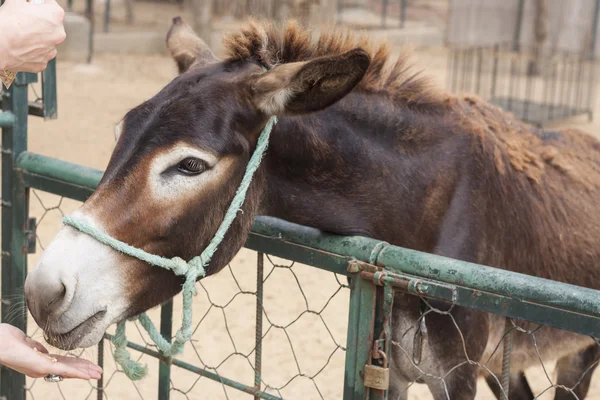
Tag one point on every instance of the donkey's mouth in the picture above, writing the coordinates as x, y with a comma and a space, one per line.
70, 340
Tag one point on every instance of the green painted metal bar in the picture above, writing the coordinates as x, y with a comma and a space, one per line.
361, 319
49, 95
15, 204
7, 119
201, 372
164, 368
60, 170
492, 280
485, 288
55, 186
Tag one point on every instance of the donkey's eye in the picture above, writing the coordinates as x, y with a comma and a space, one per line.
192, 166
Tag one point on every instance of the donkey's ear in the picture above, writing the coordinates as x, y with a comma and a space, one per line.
303, 87
118, 130
187, 48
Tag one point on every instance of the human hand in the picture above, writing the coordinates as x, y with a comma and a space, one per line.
31, 358
30, 34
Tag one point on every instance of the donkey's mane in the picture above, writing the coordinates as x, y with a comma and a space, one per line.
270, 46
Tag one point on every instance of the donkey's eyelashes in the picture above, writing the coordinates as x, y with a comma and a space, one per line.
192, 166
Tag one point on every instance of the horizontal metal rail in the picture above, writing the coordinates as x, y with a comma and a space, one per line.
7, 119
199, 371
498, 291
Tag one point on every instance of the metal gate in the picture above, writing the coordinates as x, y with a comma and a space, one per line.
372, 269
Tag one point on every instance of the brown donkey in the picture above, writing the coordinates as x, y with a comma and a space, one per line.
363, 147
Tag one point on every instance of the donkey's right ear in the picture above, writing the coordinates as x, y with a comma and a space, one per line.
186, 47
303, 87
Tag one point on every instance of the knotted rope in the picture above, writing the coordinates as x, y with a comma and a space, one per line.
192, 270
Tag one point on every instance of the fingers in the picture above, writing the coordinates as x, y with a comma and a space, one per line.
36, 345
73, 367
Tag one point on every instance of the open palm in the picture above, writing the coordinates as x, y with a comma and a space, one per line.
31, 358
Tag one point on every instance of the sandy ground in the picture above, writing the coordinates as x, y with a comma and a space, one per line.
302, 357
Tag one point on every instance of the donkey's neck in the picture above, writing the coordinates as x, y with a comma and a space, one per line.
374, 171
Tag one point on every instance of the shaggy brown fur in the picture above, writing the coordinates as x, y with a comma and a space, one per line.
514, 142
272, 46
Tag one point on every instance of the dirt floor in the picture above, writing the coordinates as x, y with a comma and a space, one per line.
302, 354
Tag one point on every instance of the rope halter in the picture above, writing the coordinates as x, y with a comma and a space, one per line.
191, 270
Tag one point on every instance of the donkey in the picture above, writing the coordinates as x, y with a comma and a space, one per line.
364, 146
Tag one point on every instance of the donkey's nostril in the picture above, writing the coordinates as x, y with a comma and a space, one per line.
48, 295
59, 296
176, 20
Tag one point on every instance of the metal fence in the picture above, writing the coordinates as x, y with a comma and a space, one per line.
512, 80
535, 59
375, 14
359, 277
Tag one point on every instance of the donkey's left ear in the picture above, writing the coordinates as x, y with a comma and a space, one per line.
186, 47
303, 87
118, 130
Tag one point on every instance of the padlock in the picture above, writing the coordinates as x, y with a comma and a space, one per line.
377, 377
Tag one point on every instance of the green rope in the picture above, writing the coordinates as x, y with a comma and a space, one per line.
192, 270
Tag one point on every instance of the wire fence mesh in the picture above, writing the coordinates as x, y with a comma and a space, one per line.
301, 341
302, 310
536, 361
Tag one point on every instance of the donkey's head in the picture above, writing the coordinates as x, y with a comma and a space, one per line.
179, 159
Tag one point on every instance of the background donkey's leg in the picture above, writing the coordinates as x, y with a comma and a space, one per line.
571, 370
454, 341
398, 384
519, 387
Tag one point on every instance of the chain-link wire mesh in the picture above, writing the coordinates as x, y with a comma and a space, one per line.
554, 362
303, 312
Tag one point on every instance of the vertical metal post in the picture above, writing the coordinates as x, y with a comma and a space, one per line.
529, 93
402, 13
384, 8
511, 85
89, 13
595, 30
15, 206
455, 68
590, 102
49, 94
359, 342
495, 71
164, 370
100, 392
479, 68
107, 16
518, 25
260, 262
